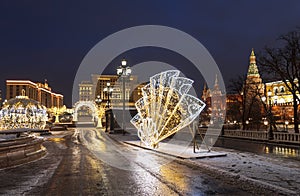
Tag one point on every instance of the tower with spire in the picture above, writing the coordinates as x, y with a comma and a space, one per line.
252, 93
253, 70
215, 102
216, 91
253, 80
205, 92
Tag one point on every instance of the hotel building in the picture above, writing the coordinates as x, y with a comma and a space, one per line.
88, 91
40, 92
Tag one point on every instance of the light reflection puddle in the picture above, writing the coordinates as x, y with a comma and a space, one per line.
60, 142
56, 139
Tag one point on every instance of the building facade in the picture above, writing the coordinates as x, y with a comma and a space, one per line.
111, 96
114, 93
281, 100
86, 91
40, 92
215, 108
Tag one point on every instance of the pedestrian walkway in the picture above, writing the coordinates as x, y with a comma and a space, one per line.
266, 171
175, 148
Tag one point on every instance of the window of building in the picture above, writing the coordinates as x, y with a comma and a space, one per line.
275, 90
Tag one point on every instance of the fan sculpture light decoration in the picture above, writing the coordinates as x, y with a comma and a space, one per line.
165, 107
22, 112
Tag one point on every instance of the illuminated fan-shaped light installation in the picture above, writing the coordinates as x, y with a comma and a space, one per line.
22, 112
165, 107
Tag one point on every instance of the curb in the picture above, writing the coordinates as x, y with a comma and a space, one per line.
20, 151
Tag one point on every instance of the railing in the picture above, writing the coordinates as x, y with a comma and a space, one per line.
287, 137
293, 138
257, 135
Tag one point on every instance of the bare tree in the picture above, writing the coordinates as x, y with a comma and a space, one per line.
236, 86
283, 62
251, 101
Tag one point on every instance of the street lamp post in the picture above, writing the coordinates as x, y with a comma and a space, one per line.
98, 101
286, 125
266, 124
108, 89
247, 124
269, 93
123, 71
269, 114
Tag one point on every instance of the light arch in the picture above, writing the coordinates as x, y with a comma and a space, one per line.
90, 104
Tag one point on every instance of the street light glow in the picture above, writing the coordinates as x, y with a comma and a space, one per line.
124, 62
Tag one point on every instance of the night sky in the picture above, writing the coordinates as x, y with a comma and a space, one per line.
48, 39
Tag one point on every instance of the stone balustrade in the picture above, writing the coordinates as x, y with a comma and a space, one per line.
257, 135
287, 137
279, 137
20, 150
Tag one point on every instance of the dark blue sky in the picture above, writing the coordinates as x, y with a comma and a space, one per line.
48, 39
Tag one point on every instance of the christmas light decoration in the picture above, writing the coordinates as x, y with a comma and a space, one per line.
22, 112
165, 107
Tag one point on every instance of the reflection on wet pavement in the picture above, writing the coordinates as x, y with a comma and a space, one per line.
56, 139
276, 150
283, 151
174, 175
59, 141
81, 168
135, 171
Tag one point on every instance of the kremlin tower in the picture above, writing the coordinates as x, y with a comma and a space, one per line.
253, 91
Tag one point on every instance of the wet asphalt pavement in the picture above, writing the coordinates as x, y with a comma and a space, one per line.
88, 162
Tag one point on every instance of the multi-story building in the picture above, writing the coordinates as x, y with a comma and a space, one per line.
281, 100
215, 101
86, 91
89, 91
279, 93
102, 82
115, 93
40, 92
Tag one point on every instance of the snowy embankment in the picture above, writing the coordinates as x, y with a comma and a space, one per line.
251, 171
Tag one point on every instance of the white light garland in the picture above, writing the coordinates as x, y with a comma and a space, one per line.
165, 107
22, 112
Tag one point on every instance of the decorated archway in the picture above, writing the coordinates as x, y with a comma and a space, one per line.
90, 104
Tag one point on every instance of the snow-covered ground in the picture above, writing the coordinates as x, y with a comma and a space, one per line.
275, 171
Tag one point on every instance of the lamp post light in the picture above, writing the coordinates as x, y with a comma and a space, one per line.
269, 93
123, 71
266, 124
98, 101
247, 124
108, 89
286, 125
269, 113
